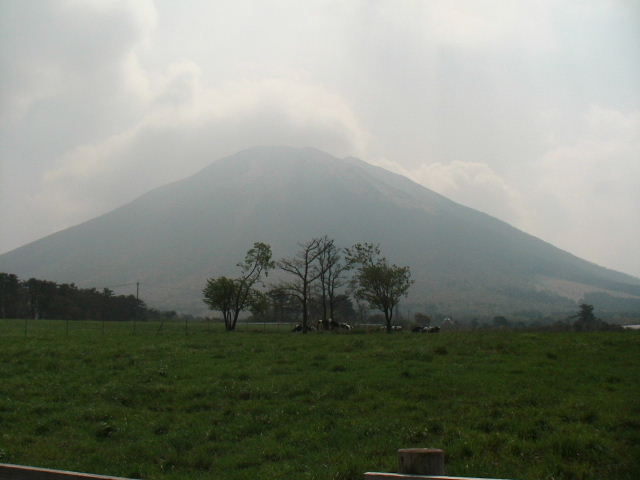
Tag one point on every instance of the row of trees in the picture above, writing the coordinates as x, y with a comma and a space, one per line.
35, 298
316, 274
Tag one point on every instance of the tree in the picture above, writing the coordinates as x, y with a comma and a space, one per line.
343, 308
585, 314
40, 296
259, 304
331, 277
283, 305
586, 320
305, 271
376, 281
233, 295
501, 322
9, 292
219, 294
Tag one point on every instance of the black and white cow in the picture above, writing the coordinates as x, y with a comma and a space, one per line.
299, 328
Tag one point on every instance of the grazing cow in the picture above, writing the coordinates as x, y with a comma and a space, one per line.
299, 328
394, 328
426, 329
333, 324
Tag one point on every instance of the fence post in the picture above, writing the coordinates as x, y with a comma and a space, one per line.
421, 461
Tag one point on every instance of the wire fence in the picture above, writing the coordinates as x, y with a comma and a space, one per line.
55, 328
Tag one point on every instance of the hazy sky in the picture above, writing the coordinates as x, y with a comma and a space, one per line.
529, 111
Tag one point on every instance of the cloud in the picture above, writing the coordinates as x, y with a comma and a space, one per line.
586, 191
473, 24
187, 127
473, 184
101, 100
110, 127
72, 51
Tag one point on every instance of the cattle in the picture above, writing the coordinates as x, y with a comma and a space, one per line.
394, 328
426, 329
299, 328
334, 325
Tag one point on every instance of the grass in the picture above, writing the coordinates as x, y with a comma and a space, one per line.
203, 403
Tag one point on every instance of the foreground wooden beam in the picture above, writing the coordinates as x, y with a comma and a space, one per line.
404, 476
21, 472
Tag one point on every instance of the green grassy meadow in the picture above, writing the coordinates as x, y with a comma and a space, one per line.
196, 402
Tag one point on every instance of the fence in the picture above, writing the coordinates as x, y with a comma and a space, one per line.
414, 464
419, 464
47, 328
21, 472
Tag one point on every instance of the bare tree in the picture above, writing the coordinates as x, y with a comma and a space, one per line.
331, 277
303, 266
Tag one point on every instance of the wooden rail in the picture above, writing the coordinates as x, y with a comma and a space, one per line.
414, 464
404, 476
21, 472
419, 464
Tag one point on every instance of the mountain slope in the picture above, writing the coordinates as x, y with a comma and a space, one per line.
173, 237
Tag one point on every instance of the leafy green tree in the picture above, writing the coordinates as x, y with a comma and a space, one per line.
343, 309
585, 314
220, 294
376, 281
283, 305
586, 320
40, 297
259, 304
501, 322
9, 295
233, 295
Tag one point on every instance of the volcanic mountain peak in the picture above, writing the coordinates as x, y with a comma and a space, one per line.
174, 237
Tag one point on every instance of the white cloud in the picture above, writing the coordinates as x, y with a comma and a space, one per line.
101, 100
189, 126
109, 128
587, 192
474, 24
73, 50
473, 184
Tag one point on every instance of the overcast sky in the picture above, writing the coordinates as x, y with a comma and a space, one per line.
529, 111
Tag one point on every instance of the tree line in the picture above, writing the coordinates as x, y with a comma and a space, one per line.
37, 299
319, 274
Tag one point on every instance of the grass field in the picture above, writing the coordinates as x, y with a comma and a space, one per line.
203, 403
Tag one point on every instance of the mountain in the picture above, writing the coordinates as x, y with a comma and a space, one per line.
172, 238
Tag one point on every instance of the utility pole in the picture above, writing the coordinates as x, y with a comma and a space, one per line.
136, 311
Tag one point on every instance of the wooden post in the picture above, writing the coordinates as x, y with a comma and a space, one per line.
421, 461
